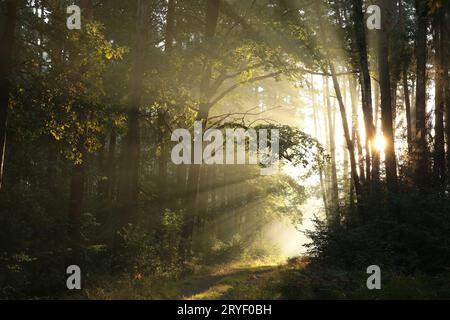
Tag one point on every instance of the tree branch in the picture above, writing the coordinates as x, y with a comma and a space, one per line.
236, 85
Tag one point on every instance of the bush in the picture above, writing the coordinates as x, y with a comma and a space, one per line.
411, 238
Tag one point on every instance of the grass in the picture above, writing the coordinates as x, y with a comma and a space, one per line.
214, 293
272, 279
206, 282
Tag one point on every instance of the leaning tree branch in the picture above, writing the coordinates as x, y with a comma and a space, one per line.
237, 85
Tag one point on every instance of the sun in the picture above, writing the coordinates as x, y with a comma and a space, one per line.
380, 142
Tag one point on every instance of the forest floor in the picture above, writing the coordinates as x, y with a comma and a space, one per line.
231, 281
270, 279
234, 280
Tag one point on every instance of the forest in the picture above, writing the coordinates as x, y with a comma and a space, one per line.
351, 97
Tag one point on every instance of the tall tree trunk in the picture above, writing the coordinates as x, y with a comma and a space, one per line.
356, 138
8, 19
377, 100
445, 80
439, 143
334, 194
345, 171
386, 102
366, 89
129, 172
212, 18
406, 97
394, 87
316, 133
421, 163
163, 157
413, 112
348, 140
326, 141
354, 117
376, 156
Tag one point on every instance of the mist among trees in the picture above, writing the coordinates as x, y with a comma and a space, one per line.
87, 177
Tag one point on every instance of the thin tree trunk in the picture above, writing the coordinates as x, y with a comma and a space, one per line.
386, 103
439, 143
366, 89
375, 152
212, 18
377, 99
316, 133
407, 109
8, 16
445, 80
327, 170
345, 171
346, 131
421, 163
163, 157
356, 138
129, 171
331, 134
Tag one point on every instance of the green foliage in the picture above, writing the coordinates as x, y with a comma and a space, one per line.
410, 237
225, 251
143, 252
136, 253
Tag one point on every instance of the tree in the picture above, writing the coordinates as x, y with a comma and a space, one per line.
129, 175
439, 62
317, 129
386, 102
349, 142
162, 130
212, 18
334, 192
407, 99
366, 89
8, 15
445, 25
421, 158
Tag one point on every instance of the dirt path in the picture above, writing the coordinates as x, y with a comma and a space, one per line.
223, 283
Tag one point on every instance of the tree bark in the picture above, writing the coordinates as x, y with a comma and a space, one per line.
439, 143
316, 132
366, 89
356, 138
386, 102
212, 18
445, 80
129, 177
334, 192
376, 157
421, 163
406, 97
8, 22
348, 140
345, 171
163, 157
